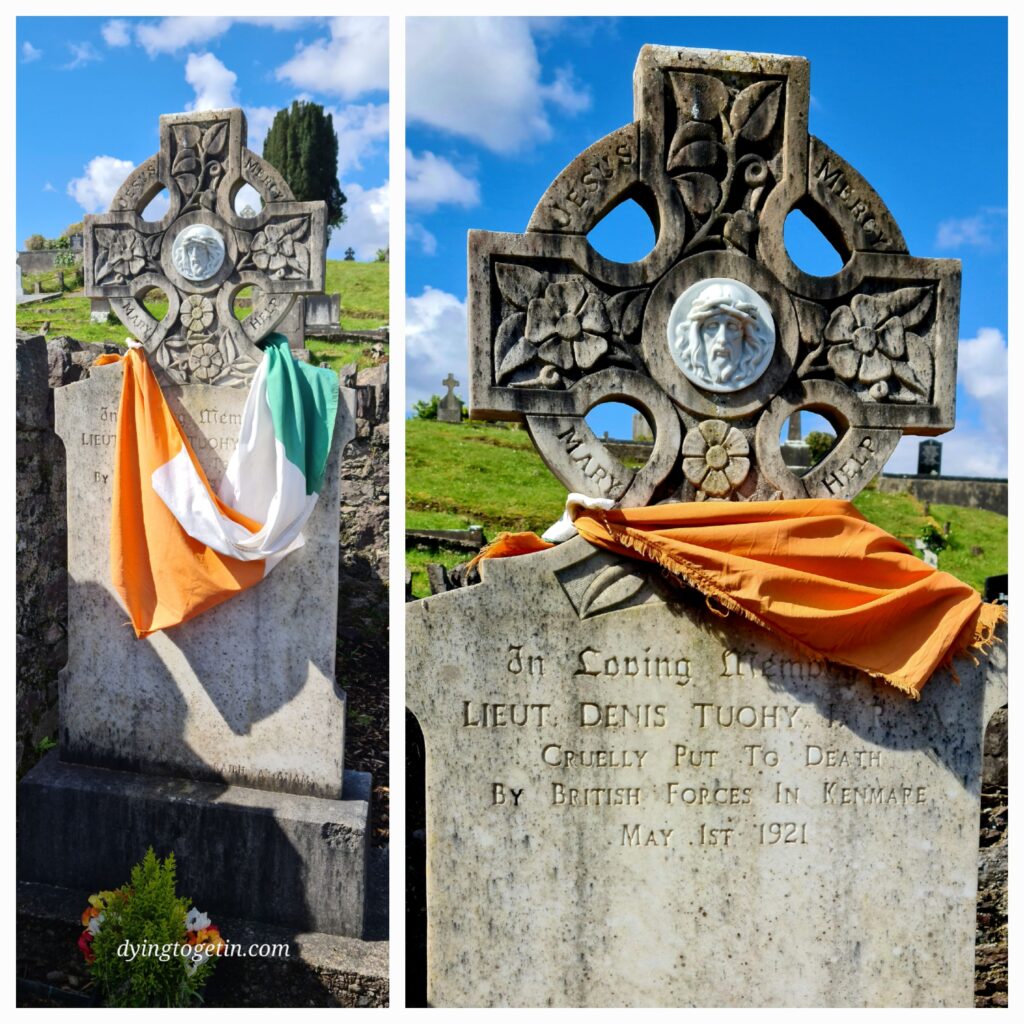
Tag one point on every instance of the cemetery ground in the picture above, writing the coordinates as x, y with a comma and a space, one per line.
491, 475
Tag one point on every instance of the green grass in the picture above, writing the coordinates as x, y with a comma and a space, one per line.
363, 288
460, 474
337, 354
364, 292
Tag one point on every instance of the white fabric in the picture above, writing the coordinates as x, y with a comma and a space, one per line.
563, 530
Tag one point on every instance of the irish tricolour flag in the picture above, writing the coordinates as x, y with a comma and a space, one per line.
176, 547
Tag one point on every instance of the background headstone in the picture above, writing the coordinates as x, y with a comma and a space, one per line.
449, 409
929, 458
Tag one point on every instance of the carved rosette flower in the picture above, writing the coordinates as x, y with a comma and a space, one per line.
568, 325
205, 361
196, 313
715, 459
871, 349
277, 251
123, 254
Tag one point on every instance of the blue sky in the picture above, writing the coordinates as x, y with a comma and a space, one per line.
496, 108
91, 90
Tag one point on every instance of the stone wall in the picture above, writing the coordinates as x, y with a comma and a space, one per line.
42, 601
36, 262
966, 491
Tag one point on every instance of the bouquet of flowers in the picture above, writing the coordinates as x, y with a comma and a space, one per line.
146, 946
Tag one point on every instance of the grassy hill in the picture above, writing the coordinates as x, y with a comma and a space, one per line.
364, 305
489, 474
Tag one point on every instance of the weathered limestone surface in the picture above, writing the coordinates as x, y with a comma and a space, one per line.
718, 155
244, 693
633, 803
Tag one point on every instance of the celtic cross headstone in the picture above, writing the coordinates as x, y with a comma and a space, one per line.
631, 801
231, 724
718, 156
202, 253
449, 409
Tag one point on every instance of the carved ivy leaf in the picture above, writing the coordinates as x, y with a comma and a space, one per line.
186, 135
612, 586
756, 109
103, 270
510, 331
301, 259
207, 201
519, 284
187, 183
153, 246
919, 361
696, 154
688, 132
521, 353
105, 236
294, 227
700, 192
911, 305
811, 319
624, 311
738, 230
214, 139
698, 97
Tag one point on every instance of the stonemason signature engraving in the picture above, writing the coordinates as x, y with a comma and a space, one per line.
721, 334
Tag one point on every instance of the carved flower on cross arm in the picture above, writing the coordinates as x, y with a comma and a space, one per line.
276, 251
196, 313
871, 346
126, 253
205, 361
715, 459
568, 325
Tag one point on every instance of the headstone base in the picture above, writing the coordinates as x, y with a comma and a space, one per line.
293, 861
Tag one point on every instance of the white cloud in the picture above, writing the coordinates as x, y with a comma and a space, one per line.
29, 52
81, 54
48, 187
172, 34
103, 177
360, 128
431, 180
353, 61
984, 230
435, 344
480, 78
248, 196
214, 84
116, 32
421, 236
979, 446
259, 120
367, 222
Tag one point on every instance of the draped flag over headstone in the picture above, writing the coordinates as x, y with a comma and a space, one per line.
176, 547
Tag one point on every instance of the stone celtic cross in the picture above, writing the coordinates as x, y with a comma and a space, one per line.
716, 336
201, 253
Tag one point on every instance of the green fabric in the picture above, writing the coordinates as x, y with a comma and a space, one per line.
303, 403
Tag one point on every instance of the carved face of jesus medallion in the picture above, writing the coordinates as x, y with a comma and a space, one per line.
198, 252
721, 334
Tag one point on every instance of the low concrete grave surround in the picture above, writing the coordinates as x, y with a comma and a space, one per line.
222, 737
631, 801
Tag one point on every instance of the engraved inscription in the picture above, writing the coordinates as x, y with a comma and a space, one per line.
835, 181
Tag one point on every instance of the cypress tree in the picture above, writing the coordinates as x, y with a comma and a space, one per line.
302, 145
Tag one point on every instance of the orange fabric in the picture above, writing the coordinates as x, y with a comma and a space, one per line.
163, 576
814, 571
